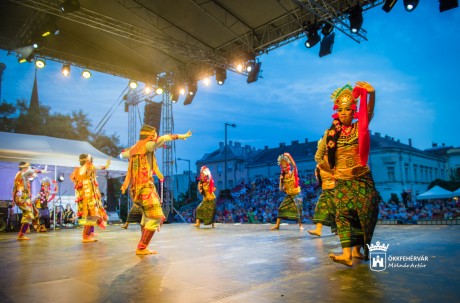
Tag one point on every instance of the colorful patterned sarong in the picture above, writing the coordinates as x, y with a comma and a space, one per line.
206, 211
325, 210
356, 211
290, 208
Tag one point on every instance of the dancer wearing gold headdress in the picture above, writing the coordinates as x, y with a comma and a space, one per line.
142, 166
348, 147
325, 207
22, 196
291, 207
41, 203
206, 211
88, 196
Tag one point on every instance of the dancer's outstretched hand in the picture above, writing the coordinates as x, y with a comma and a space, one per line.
365, 85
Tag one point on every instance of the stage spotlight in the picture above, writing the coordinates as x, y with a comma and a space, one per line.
388, 5
69, 6
182, 91
159, 91
410, 5
206, 81
445, 5
86, 74
66, 70
327, 28
38, 42
133, 84
30, 58
254, 73
40, 63
50, 28
239, 67
356, 18
60, 177
221, 75
175, 94
326, 45
192, 89
312, 38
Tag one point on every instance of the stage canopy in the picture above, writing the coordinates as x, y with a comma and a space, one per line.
185, 39
456, 193
436, 192
60, 155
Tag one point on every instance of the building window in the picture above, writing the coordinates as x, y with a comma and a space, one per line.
406, 172
219, 184
391, 173
230, 183
415, 172
229, 168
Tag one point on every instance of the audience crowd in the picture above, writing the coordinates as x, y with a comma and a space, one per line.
258, 202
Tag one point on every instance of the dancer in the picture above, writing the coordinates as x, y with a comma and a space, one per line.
45, 197
325, 207
134, 216
291, 207
348, 147
206, 211
22, 196
142, 166
88, 196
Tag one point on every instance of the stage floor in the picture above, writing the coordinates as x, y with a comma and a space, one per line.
231, 263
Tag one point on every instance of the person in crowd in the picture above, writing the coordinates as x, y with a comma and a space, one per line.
69, 216
45, 197
206, 211
348, 145
22, 196
325, 207
291, 206
88, 196
56, 216
141, 168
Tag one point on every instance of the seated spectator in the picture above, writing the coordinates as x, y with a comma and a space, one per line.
69, 216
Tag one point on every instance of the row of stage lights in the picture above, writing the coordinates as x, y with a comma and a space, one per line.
65, 70
355, 18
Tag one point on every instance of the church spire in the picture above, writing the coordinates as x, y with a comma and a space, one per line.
34, 106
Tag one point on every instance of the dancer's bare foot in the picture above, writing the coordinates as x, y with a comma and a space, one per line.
125, 226
341, 259
146, 251
357, 254
314, 232
276, 227
89, 240
20, 238
196, 225
301, 227
213, 225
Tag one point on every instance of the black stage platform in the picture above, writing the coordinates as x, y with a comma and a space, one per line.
231, 263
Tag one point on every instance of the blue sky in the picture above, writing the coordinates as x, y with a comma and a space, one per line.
412, 60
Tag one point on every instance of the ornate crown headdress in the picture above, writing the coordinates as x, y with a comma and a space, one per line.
288, 158
344, 96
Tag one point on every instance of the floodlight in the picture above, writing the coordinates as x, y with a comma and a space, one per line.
60, 177
192, 89
445, 5
69, 6
253, 75
133, 84
388, 5
410, 5
312, 38
221, 75
66, 70
86, 74
356, 18
40, 63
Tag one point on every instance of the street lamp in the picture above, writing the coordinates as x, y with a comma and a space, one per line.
189, 179
225, 153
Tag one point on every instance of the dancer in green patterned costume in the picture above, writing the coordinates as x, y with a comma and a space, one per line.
348, 147
291, 207
206, 211
325, 207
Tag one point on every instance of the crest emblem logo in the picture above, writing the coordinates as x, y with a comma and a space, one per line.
378, 256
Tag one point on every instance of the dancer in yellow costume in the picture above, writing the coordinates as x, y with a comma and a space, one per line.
142, 166
206, 211
291, 207
41, 203
22, 196
88, 196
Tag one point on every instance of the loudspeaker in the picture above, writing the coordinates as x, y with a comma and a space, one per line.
4, 213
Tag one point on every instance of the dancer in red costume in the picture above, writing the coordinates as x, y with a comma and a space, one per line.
88, 196
206, 211
142, 166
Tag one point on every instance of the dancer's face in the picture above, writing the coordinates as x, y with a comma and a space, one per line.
345, 114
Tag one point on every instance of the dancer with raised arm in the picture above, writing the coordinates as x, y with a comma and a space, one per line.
88, 196
142, 166
348, 147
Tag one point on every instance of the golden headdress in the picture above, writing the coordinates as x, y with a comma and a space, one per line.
344, 96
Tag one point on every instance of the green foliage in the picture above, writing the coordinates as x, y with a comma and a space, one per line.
18, 119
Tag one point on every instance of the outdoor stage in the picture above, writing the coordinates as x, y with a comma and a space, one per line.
231, 263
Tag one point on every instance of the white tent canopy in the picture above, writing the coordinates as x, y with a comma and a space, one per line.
436, 192
61, 156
